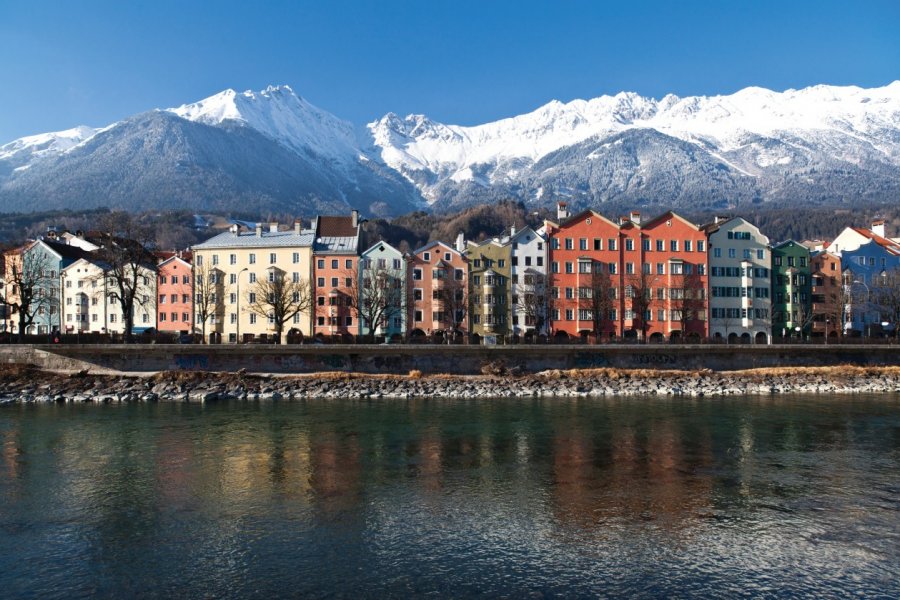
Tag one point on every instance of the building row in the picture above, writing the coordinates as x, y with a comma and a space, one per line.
581, 275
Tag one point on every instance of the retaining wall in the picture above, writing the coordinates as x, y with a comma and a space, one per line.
401, 359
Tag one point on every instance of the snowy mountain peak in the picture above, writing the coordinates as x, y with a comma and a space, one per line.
280, 114
47, 143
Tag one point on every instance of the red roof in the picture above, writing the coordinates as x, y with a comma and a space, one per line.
885, 243
336, 227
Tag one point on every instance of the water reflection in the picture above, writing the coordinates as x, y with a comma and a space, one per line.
642, 497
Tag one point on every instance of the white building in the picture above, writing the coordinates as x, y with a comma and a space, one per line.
740, 282
90, 304
529, 276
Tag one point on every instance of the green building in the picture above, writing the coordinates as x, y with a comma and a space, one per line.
791, 291
490, 267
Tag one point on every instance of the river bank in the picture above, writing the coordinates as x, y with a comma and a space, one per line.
23, 384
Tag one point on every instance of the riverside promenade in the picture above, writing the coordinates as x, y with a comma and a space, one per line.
436, 359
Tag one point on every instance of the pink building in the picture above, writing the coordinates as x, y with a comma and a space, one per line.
175, 298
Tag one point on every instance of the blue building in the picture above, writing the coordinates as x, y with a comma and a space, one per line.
382, 302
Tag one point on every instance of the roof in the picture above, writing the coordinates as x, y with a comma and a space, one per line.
249, 239
335, 235
431, 245
67, 251
885, 243
335, 227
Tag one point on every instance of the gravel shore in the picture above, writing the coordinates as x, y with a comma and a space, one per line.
24, 384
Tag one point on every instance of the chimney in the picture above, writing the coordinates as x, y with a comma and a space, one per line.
878, 227
512, 230
259, 230
273, 227
461, 242
233, 229
298, 226
635, 217
354, 216
562, 212
51, 232
623, 220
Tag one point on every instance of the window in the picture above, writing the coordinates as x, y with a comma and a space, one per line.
701, 246
761, 254
417, 274
569, 245
253, 318
334, 263
251, 297
569, 268
660, 245
215, 259
629, 268
232, 259
334, 282
583, 244
660, 268
629, 245
732, 253
611, 244
295, 257
687, 245
612, 268
348, 264
162, 279
426, 256
252, 258
673, 245
598, 244
252, 277
747, 254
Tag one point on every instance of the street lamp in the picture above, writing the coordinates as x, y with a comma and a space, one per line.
238, 330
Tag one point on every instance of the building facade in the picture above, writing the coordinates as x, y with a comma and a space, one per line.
229, 273
792, 315
336, 275
382, 298
490, 297
826, 295
440, 291
528, 277
175, 294
740, 282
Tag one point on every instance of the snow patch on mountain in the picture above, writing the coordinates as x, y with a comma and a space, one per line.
283, 116
47, 143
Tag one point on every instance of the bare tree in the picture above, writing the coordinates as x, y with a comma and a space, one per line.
453, 296
689, 302
29, 284
379, 295
129, 265
279, 299
596, 296
887, 297
534, 300
208, 292
639, 288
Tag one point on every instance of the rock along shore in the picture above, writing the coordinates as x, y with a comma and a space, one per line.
22, 384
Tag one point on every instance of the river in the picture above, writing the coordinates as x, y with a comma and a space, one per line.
571, 498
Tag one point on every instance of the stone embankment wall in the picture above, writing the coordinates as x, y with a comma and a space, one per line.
460, 360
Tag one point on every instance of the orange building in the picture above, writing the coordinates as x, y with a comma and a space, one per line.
335, 261
676, 265
175, 301
584, 275
627, 279
827, 295
439, 290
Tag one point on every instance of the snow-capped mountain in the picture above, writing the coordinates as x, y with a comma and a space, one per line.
274, 151
627, 140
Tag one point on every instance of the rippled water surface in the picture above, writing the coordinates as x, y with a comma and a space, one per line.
647, 498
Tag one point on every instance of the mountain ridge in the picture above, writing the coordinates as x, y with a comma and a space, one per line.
815, 145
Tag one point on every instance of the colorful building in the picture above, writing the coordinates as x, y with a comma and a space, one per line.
440, 291
382, 299
175, 293
490, 298
826, 295
792, 315
227, 269
335, 275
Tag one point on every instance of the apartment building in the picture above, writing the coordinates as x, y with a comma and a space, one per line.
826, 295
740, 282
792, 315
91, 300
528, 277
383, 298
490, 296
335, 275
175, 293
230, 271
440, 291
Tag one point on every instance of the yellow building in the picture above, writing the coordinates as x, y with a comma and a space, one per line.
489, 288
232, 263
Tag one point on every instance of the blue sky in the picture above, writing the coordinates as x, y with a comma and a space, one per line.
69, 63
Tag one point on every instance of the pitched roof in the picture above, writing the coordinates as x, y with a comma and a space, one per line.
249, 239
335, 227
67, 251
885, 243
335, 235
